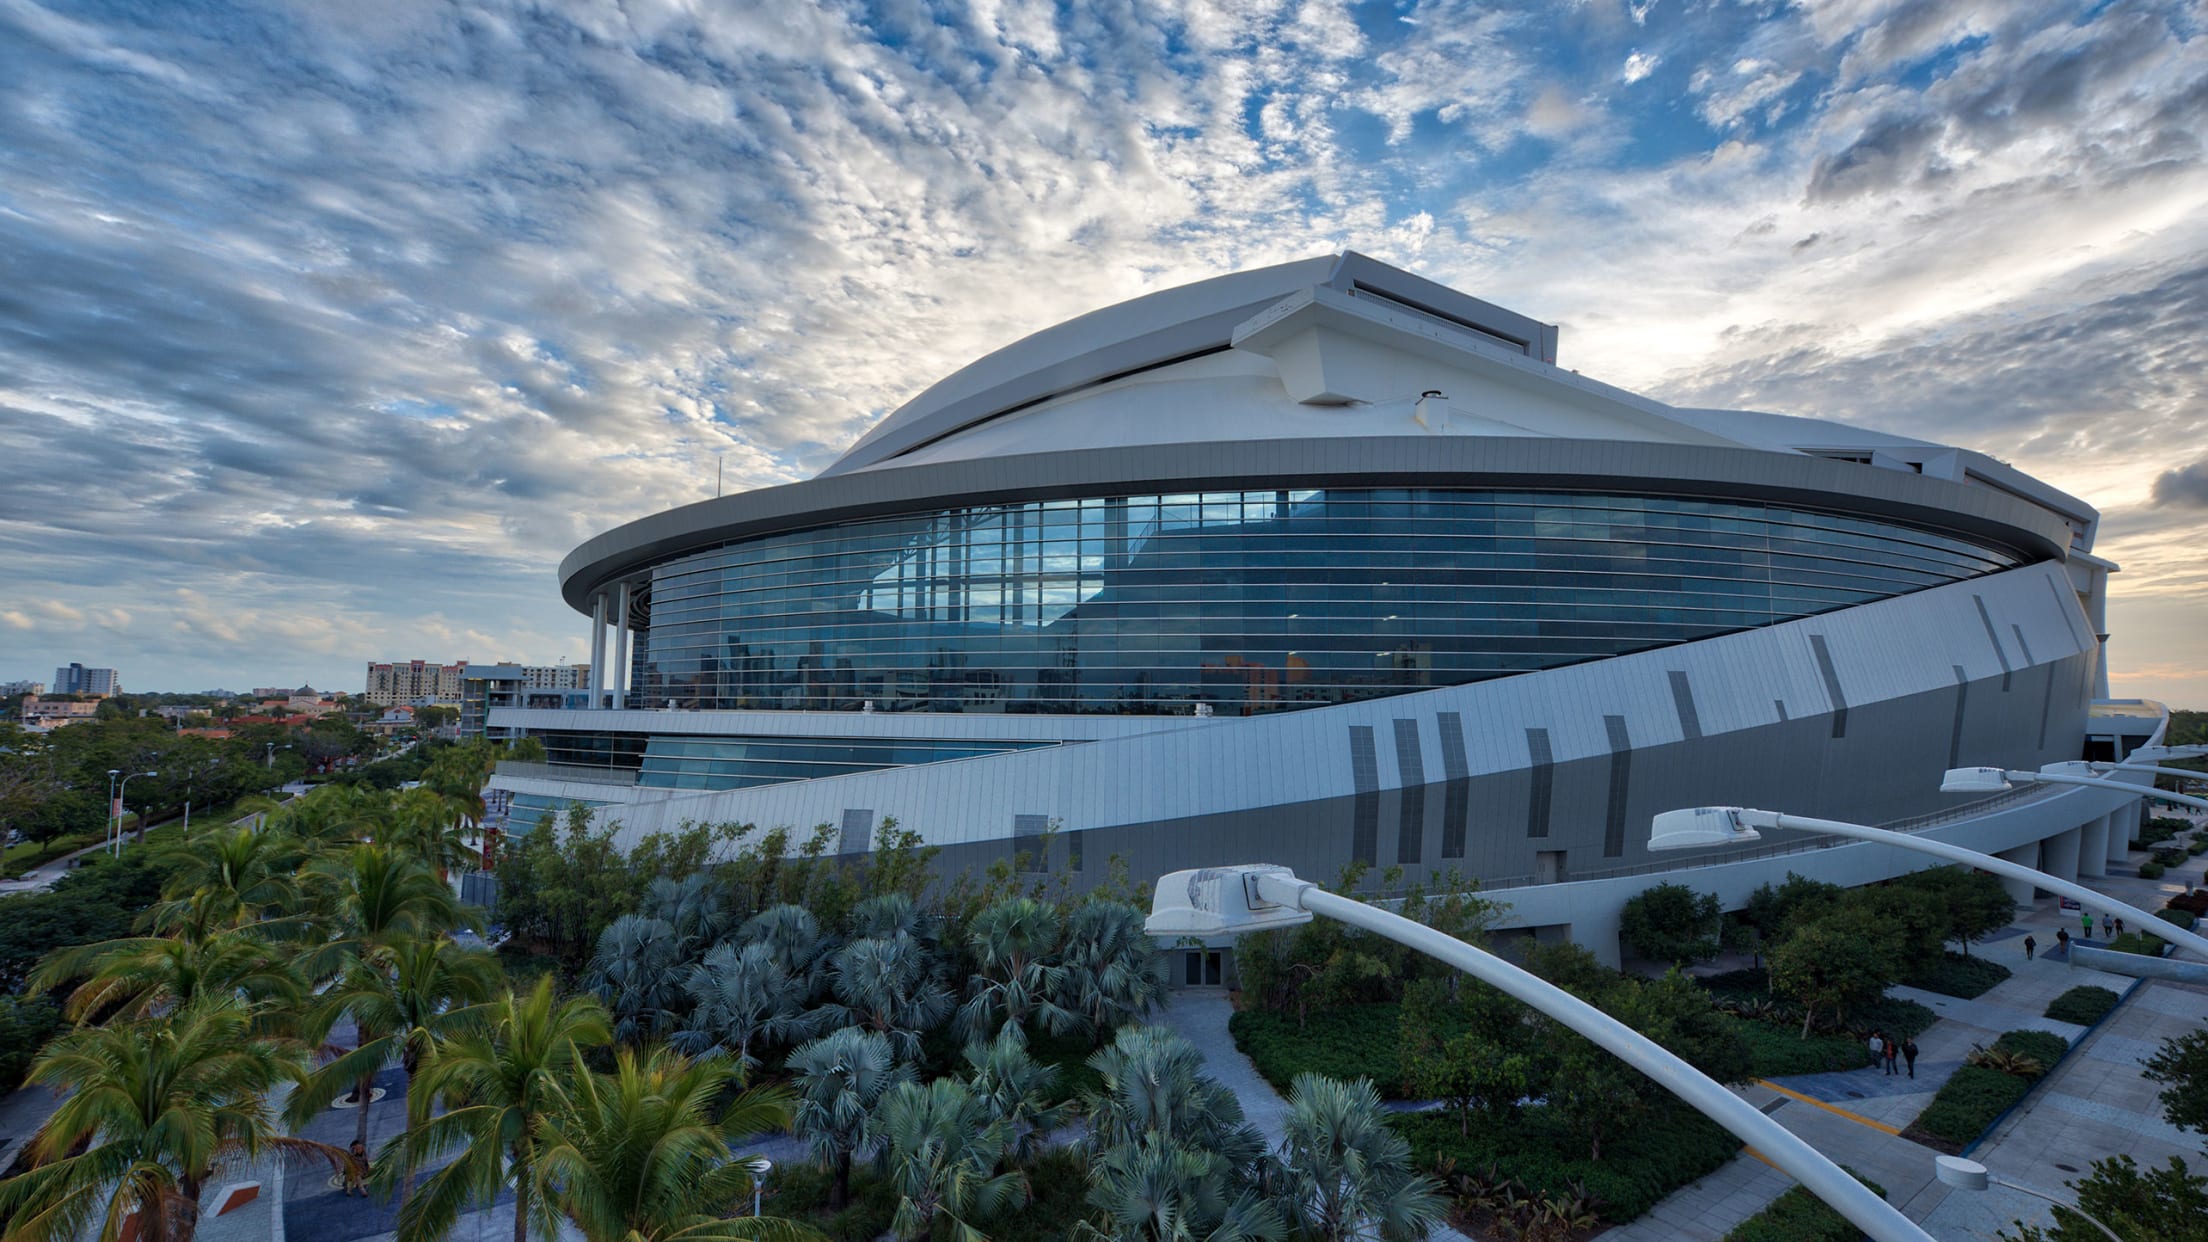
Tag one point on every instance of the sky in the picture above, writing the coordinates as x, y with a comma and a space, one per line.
326, 330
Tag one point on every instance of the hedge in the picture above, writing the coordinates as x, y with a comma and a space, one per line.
2170, 855
2137, 942
2151, 870
2084, 1005
2177, 917
1894, 1015
1799, 1216
1665, 1148
1777, 1048
1358, 1041
1955, 975
1974, 1096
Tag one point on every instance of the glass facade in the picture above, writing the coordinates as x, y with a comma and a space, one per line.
1246, 601
740, 761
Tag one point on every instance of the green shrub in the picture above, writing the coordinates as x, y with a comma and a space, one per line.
1058, 1188
1952, 974
2156, 831
2151, 870
1799, 1216
2170, 855
2084, 1005
2195, 902
1667, 1147
1070, 1053
1902, 1019
1744, 982
1359, 1041
1971, 1099
2177, 917
25, 1026
1965, 1106
2137, 942
1777, 1048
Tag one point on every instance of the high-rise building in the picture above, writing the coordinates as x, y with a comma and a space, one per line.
1326, 564
17, 689
414, 681
77, 679
488, 686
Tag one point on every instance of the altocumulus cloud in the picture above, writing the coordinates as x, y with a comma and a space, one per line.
326, 330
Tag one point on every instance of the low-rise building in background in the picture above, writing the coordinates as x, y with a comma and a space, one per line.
414, 681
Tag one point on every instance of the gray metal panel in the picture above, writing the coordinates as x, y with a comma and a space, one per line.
1410, 828
1379, 461
1542, 763
1994, 636
1364, 766
1621, 778
857, 832
1838, 696
1682, 697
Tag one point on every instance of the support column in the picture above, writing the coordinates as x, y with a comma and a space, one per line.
2058, 854
2093, 848
2025, 855
598, 649
2129, 815
618, 675
1598, 934
2119, 845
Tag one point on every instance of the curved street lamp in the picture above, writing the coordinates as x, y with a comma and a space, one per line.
2073, 772
1705, 826
1970, 1175
1218, 901
120, 794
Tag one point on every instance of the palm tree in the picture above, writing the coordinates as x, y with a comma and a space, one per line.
402, 997
1348, 1174
373, 895
641, 1154
941, 1148
228, 878
795, 936
840, 1078
888, 985
499, 1082
1015, 982
140, 977
1152, 1190
1154, 1084
637, 970
739, 997
430, 825
1171, 1158
881, 917
1016, 1089
1114, 973
152, 1114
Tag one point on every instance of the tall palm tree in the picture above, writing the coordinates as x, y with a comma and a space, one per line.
941, 1149
641, 1154
402, 997
498, 1082
1348, 1173
153, 1113
231, 877
1114, 973
372, 895
1015, 983
740, 998
840, 1078
430, 825
1016, 1088
888, 985
142, 976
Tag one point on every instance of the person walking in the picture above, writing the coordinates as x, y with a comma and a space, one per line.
1893, 1054
2085, 919
2029, 945
356, 1170
2062, 938
1909, 1053
1878, 1049
2119, 925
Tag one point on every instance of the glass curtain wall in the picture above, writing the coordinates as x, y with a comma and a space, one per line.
1247, 601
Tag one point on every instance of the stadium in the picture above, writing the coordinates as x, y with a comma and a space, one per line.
1326, 564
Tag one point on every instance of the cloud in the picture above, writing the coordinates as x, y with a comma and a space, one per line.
1638, 65
2183, 488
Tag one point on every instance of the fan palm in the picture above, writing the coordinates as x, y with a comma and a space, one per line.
641, 1154
401, 997
1014, 982
498, 1081
637, 971
941, 1149
1016, 1088
1153, 1190
888, 985
1153, 1083
840, 1078
1348, 1173
796, 939
741, 997
152, 1114
141, 976
1114, 973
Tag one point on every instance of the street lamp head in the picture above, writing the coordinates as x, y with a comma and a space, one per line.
1974, 780
1700, 827
1961, 1174
2070, 767
1219, 901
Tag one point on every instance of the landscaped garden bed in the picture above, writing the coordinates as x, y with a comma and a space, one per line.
2084, 1005
1799, 1216
1984, 1088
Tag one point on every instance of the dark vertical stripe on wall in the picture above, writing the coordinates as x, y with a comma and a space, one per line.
1410, 766
1543, 770
1833, 691
2022, 645
2046, 703
1456, 809
1994, 636
1364, 769
1621, 774
858, 832
1028, 839
1781, 705
2069, 609
1682, 698
1955, 733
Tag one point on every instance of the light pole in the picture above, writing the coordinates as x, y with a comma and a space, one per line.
1704, 826
121, 794
2073, 772
114, 810
760, 1166
1970, 1175
1232, 900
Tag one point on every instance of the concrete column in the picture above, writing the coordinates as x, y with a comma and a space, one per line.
2058, 854
598, 649
1598, 934
2129, 815
2119, 844
2025, 855
618, 676
2093, 848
